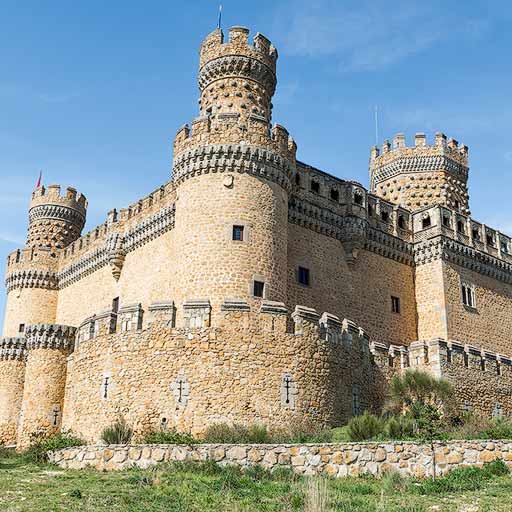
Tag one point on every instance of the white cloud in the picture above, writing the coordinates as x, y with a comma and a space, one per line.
370, 35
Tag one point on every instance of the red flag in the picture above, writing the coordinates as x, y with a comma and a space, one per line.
39, 180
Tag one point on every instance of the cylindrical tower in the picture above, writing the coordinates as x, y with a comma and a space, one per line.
54, 220
48, 346
419, 176
12, 376
31, 275
233, 175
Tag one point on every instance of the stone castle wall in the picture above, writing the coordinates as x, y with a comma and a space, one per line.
247, 369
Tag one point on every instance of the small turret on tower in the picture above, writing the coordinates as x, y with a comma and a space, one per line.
419, 176
54, 220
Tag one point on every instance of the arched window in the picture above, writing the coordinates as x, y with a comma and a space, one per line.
384, 215
335, 195
460, 226
401, 222
426, 222
358, 198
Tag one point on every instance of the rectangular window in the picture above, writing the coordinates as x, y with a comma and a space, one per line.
303, 276
115, 305
395, 304
238, 233
21, 328
468, 295
258, 288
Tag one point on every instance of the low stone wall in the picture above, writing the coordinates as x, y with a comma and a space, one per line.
338, 460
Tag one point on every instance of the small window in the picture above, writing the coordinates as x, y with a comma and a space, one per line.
476, 234
457, 204
358, 198
446, 221
468, 295
370, 210
425, 222
504, 246
395, 304
335, 195
238, 233
315, 187
401, 222
115, 305
490, 239
384, 215
297, 179
258, 288
303, 276
21, 328
460, 226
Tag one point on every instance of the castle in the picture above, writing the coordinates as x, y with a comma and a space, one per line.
252, 287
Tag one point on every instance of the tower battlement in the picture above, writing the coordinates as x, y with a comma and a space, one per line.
420, 175
214, 47
55, 220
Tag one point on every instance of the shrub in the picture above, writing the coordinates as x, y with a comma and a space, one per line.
302, 432
400, 427
38, 451
236, 434
365, 427
118, 433
498, 428
168, 437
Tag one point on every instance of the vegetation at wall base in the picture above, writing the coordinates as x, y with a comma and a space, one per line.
208, 487
117, 433
169, 436
37, 452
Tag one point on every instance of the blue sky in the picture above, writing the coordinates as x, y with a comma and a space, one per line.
93, 92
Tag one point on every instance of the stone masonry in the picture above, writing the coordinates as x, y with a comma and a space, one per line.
252, 287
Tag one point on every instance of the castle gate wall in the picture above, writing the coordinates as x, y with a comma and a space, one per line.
344, 289
210, 264
247, 370
12, 377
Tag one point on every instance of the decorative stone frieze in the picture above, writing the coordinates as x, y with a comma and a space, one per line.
45, 279
116, 253
239, 66
13, 348
50, 336
53, 211
239, 158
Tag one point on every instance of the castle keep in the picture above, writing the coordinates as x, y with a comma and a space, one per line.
252, 287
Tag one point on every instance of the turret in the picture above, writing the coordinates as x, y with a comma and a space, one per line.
419, 176
54, 220
239, 170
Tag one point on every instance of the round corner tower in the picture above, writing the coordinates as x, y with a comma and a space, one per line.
419, 176
55, 221
233, 173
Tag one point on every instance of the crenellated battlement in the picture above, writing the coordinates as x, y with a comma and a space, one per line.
55, 220
214, 46
420, 175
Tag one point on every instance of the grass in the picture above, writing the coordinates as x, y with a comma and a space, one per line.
207, 487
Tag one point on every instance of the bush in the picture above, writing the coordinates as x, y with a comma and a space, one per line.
236, 434
38, 451
365, 427
400, 428
499, 428
118, 433
168, 437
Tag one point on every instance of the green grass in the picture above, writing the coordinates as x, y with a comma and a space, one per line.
205, 487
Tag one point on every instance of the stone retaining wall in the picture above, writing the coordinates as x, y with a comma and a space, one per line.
338, 460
